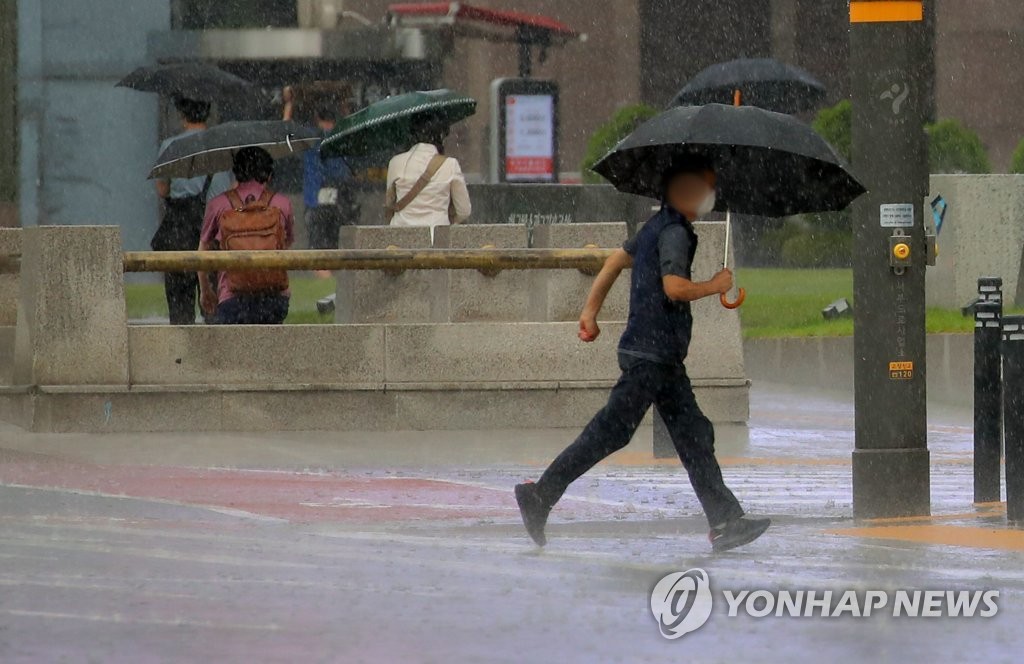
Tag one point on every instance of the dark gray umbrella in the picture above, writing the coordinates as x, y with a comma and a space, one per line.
761, 82
768, 164
193, 80
213, 150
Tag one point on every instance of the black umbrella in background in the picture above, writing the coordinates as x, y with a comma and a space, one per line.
192, 80
767, 164
213, 150
761, 82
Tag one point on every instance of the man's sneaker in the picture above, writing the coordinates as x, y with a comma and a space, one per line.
737, 532
534, 511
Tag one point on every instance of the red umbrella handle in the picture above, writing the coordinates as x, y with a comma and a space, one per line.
741, 296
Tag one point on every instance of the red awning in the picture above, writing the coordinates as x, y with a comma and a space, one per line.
439, 13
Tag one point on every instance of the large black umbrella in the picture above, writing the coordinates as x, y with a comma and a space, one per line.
767, 164
213, 150
761, 82
193, 80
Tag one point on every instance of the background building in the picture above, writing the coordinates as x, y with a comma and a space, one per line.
75, 149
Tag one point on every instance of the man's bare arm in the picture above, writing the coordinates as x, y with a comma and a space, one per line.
613, 267
680, 289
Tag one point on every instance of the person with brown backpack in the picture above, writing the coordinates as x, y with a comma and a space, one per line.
250, 217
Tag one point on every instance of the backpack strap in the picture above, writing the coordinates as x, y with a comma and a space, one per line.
432, 168
206, 188
268, 195
234, 199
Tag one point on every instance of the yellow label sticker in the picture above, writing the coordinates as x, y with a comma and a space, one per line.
884, 11
901, 370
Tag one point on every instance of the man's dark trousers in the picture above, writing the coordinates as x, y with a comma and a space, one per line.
642, 384
181, 289
179, 231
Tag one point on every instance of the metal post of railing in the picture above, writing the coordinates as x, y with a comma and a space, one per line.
1013, 414
988, 407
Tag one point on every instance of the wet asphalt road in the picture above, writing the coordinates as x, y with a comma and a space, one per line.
406, 547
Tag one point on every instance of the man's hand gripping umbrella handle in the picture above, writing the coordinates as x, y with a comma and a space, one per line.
741, 294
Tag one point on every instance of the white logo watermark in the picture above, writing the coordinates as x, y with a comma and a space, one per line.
681, 603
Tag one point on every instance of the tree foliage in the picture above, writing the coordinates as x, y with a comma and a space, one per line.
608, 135
952, 147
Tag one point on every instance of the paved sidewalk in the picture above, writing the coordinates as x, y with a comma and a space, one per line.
407, 546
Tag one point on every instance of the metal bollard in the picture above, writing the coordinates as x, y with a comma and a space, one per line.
990, 289
987, 401
1013, 414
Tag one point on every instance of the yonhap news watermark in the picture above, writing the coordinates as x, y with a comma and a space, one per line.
682, 602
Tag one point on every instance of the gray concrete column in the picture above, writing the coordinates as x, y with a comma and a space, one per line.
477, 297
559, 295
374, 296
784, 30
72, 328
10, 243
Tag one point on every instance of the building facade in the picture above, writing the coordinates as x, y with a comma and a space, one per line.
84, 146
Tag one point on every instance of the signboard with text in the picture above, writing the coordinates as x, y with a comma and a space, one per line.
524, 131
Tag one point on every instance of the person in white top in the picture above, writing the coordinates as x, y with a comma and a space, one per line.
442, 200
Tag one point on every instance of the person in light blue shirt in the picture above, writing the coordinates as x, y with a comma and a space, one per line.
184, 203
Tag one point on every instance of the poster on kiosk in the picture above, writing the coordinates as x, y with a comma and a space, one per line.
524, 131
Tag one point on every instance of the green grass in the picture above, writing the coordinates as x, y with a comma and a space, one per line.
780, 303
788, 303
147, 300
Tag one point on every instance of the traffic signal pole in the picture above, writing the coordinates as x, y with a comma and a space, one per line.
891, 76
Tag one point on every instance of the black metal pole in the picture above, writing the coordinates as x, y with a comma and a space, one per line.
988, 404
1013, 414
891, 93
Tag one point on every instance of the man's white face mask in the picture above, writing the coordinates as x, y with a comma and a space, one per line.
708, 204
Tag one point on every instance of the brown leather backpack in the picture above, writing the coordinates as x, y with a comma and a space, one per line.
254, 226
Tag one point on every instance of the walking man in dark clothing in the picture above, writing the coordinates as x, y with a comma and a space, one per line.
184, 202
651, 354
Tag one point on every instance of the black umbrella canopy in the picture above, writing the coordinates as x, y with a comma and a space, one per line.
192, 80
762, 82
213, 150
768, 164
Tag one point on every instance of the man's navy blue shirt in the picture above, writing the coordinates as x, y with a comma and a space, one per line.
659, 329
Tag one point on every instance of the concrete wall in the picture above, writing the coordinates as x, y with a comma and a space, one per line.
983, 235
87, 146
826, 363
978, 77
10, 243
78, 366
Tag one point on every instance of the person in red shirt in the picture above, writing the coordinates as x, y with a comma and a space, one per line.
253, 169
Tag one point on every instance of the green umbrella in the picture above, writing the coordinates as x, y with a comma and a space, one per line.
386, 125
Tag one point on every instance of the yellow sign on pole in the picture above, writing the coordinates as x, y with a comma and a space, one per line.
884, 11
